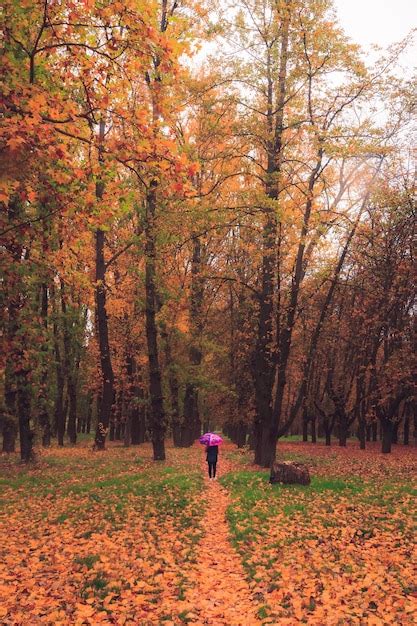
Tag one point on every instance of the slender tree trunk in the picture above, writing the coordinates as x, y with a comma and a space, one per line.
387, 427
18, 374
313, 430
157, 413
43, 415
59, 416
107, 375
305, 426
9, 418
119, 415
23, 407
72, 410
173, 388
395, 432
59, 398
71, 369
107, 392
136, 403
406, 431
362, 433
192, 423
343, 428
241, 434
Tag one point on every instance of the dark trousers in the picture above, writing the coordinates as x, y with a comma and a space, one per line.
212, 468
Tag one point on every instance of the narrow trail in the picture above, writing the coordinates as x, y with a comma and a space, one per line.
220, 593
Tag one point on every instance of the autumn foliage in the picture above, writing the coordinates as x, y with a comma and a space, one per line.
207, 221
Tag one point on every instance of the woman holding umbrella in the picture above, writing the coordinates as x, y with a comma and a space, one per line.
212, 442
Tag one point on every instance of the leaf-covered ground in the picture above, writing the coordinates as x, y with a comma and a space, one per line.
99, 537
113, 538
341, 551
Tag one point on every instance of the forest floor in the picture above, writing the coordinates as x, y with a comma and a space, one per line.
113, 538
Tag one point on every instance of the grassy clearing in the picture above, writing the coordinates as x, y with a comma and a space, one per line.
93, 535
337, 551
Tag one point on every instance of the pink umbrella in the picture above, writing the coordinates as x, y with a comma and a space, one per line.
210, 439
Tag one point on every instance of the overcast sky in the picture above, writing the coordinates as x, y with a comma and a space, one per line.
379, 21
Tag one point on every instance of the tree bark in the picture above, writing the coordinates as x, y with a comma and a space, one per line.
19, 384
192, 423
313, 429
10, 391
406, 431
60, 384
305, 426
157, 413
43, 415
387, 427
136, 403
265, 352
107, 391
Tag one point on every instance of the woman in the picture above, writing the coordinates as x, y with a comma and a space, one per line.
212, 454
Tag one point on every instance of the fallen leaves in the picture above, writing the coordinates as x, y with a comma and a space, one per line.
337, 552
103, 549
114, 539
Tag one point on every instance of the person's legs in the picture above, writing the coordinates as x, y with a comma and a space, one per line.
214, 469
209, 469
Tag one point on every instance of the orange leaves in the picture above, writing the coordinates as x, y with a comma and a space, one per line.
15, 142
105, 547
335, 551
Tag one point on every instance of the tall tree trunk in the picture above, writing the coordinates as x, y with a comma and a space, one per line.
395, 431
362, 432
59, 415
265, 352
406, 431
107, 389
313, 429
157, 413
72, 409
136, 402
387, 427
72, 362
107, 375
18, 385
343, 424
305, 426
192, 423
9, 418
173, 390
23, 407
43, 415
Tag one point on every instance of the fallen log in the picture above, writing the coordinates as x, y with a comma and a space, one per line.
290, 474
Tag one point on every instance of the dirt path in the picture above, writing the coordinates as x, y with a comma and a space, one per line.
220, 593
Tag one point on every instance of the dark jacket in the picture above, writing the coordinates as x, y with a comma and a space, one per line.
212, 453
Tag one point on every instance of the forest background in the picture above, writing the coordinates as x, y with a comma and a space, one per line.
208, 220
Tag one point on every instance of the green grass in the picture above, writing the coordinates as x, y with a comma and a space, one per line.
257, 504
113, 484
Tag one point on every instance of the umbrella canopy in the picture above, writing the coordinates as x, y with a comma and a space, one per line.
210, 439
